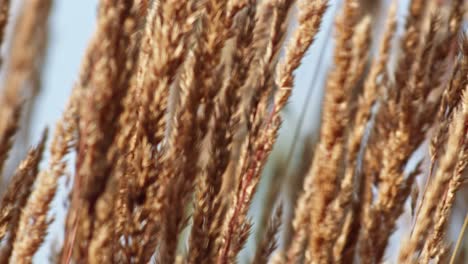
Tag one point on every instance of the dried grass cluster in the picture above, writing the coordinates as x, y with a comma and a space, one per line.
178, 106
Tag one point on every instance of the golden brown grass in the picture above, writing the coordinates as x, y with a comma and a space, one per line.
178, 107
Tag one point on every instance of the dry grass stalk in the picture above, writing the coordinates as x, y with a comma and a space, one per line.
27, 55
144, 124
435, 243
208, 212
372, 89
17, 195
330, 145
8, 128
437, 187
34, 219
296, 185
440, 63
309, 21
406, 95
269, 241
459, 240
339, 207
179, 103
25, 61
108, 62
271, 197
200, 88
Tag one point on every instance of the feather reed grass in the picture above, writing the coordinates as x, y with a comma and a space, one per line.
177, 110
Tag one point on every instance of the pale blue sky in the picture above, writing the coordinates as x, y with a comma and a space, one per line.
71, 26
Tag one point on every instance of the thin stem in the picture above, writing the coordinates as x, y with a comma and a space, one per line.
459, 240
299, 125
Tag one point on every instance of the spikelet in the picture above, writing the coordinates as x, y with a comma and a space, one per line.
27, 55
144, 124
330, 132
409, 43
206, 230
111, 66
335, 217
269, 36
26, 58
34, 219
434, 245
8, 128
372, 89
17, 194
449, 99
439, 68
404, 132
181, 157
439, 184
310, 19
28, 51
106, 72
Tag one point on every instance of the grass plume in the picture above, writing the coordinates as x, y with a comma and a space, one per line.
175, 118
